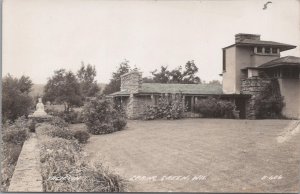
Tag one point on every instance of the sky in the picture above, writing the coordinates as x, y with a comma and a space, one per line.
41, 36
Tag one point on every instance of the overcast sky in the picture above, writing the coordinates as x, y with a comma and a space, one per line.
40, 36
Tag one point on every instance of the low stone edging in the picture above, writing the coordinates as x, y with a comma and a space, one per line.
27, 174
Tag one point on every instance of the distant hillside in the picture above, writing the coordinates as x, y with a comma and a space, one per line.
38, 89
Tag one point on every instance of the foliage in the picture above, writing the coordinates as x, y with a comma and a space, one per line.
64, 133
177, 75
215, 108
71, 116
63, 87
15, 133
13, 136
82, 136
115, 82
166, 108
16, 100
58, 122
10, 155
64, 168
86, 76
269, 103
101, 117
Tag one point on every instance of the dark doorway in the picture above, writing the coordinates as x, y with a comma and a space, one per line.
188, 103
241, 106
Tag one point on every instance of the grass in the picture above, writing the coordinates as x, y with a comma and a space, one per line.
234, 155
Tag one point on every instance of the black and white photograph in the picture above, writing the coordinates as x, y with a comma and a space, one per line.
150, 96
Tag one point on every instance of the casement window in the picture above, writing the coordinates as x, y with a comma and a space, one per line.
267, 50
259, 49
224, 60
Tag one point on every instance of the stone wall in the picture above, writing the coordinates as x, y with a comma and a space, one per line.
131, 82
27, 174
136, 106
253, 86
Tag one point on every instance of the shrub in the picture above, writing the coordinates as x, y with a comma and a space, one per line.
14, 136
166, 108
215, 108
10, 155
64, 133
69, 117
64, 159
17, 132
82, 136
31, 126
101, 117
59, 122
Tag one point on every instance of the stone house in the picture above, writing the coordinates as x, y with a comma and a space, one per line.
248, 65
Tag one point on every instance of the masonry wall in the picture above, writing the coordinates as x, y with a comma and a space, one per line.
137, 105
131, 82
253, 86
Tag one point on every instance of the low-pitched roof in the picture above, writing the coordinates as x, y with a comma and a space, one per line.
250, 42
159, 88
283, 61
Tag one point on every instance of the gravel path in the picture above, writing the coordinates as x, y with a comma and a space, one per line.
225, 155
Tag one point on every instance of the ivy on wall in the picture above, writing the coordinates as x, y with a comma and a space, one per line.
269, 103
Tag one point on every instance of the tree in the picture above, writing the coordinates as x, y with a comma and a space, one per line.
64, 87
161, 77
189, 75
115, 82
215, 82
86, 76
16, 101
177, 75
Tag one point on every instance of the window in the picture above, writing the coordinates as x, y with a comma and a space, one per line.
274, 50
224, 60
267, 50
259, 49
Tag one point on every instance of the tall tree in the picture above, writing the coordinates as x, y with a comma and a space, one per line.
63, 87
16, 101
88, 84
161, 77
177, 75
115, 82
189, 74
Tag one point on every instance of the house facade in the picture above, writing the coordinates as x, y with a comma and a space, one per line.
248, 66
251, 63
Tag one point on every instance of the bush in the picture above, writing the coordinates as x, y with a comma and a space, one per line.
81, 136
69, 117
166, 108
17, 132
215, 108
61, 158
31, 126
101, 117
59, 122
64, 133
14, 136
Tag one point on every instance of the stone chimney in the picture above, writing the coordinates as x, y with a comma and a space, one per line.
131, 81
240, 37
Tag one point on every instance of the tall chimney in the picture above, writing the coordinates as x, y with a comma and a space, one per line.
131, 81
240, 37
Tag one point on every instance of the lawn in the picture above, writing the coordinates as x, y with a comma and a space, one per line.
227, 155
